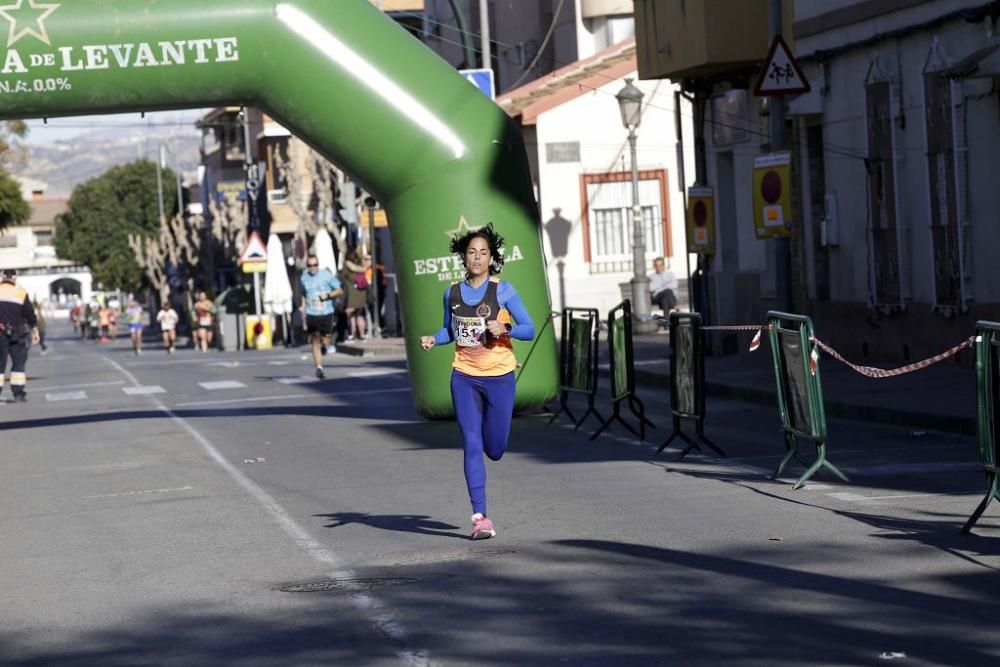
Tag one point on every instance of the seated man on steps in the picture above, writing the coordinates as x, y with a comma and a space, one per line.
663, 287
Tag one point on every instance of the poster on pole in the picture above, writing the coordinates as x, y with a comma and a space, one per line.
772, 196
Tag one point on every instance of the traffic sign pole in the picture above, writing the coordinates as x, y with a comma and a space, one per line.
782, 246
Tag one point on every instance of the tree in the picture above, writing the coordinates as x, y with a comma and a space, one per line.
13, 209
103, 212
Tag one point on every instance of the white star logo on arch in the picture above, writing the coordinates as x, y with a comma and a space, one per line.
21, 17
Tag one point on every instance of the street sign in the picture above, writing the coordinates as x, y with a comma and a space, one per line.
701, 220
772, 196
782, 74
481, 79
254, 252
254, 267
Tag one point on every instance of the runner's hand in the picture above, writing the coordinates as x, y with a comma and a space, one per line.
496, 328
426, 342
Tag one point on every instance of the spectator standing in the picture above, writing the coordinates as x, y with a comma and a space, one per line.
355, 284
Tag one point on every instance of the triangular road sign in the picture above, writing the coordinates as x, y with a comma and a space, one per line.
782, 74
255, 251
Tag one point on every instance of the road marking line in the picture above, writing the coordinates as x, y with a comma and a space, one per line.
66, 396
222, 384
859, 498
891, 469
382, 620
376, 373
255, 399
247, 400
139, 390
203, 360
79, 386
139, 493
297, 380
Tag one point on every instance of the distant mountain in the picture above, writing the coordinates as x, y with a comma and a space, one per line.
65, 164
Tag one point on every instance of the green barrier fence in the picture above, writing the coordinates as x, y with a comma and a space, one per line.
988, 400
438, 155
800, 394
578, 361
687, 381
623, 371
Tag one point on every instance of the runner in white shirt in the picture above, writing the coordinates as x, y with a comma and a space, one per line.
168, 318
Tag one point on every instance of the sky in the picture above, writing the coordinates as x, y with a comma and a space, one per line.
61, 129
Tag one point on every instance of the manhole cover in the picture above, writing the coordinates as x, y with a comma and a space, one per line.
347, 585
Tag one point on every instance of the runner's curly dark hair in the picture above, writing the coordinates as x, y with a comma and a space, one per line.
460, 244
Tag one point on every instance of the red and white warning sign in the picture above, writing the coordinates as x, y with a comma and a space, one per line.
782, 74
255, 251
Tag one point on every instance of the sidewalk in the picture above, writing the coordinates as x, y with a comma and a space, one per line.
941, 397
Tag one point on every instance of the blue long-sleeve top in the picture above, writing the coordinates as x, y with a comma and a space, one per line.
522, 328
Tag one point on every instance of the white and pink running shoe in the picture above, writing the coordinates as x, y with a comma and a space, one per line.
482, 527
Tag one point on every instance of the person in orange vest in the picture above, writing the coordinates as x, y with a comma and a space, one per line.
17, 318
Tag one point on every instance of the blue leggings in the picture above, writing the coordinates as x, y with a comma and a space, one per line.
483, 407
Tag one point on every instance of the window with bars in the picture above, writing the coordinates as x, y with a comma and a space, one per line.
611, 227
882, 194
944, 204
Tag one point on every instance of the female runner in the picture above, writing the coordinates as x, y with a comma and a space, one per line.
477, 318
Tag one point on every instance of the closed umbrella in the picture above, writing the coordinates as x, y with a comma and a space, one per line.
323, 247
277, 289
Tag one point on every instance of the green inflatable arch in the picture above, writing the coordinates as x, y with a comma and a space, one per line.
340, 74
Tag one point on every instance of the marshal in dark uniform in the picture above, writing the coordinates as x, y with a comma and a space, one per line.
17, 322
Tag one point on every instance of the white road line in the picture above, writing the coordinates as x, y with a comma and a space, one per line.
139, 493
288, 397
859, 498
222, 384
892, 469
144, 391
66, 396
254, 399
382, 620
297, 380
79, 386
204, 360
376, 372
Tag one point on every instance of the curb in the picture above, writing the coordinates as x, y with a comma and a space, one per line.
839, 409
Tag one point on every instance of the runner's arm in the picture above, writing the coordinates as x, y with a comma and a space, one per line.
445, 336
523, 327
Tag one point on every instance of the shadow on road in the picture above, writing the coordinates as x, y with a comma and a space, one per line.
406, 523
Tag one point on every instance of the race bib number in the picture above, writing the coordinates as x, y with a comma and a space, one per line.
317, 304
469, 331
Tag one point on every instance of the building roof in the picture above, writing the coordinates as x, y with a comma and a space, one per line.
569, 82
44, 211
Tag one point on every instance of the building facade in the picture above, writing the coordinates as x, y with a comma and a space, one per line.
581, 164
30, 249
891, 151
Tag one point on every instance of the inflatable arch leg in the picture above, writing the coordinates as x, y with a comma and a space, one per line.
437, 153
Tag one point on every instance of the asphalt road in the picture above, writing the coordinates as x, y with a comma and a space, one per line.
228, 509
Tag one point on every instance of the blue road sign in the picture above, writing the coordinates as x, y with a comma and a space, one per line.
481, 79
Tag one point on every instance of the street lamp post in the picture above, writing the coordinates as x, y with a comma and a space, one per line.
630, 104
